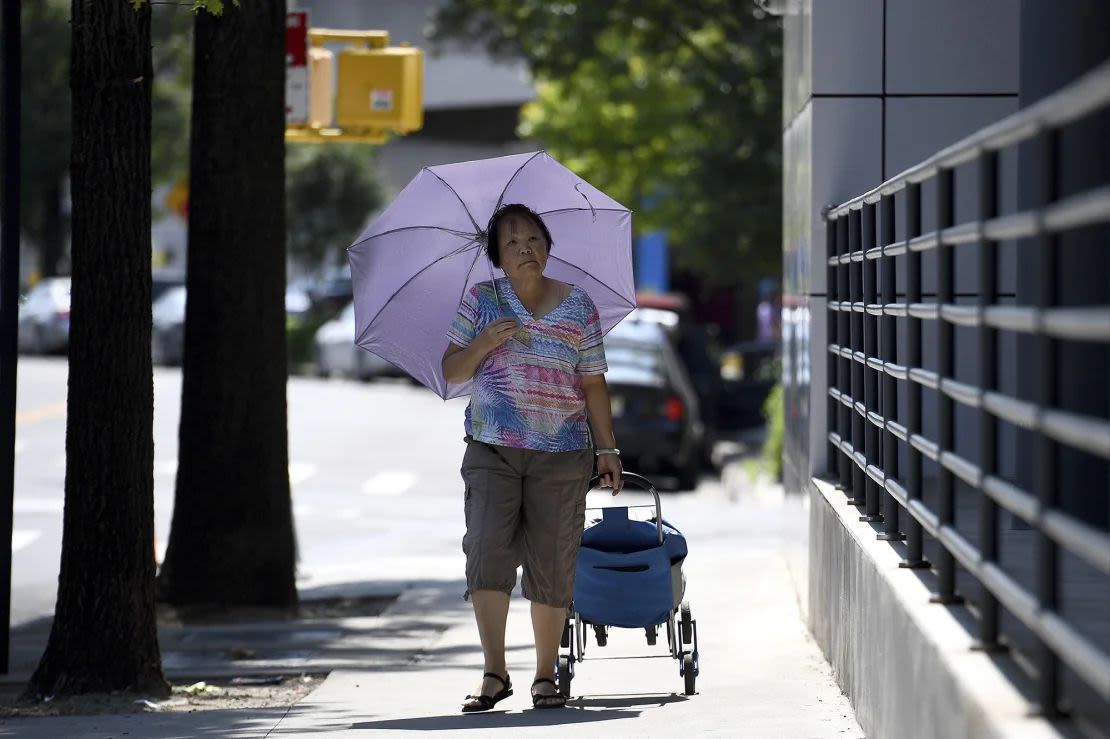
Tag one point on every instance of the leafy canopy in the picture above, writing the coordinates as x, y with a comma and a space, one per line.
330, 192
672, 108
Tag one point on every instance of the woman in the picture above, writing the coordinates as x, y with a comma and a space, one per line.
532, 346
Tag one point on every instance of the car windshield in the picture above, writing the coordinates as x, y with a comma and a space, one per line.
171, 305
635, 363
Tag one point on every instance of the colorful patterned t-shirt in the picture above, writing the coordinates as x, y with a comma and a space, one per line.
527, 393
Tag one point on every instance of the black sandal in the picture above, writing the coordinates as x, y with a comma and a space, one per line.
486, 702
544, 700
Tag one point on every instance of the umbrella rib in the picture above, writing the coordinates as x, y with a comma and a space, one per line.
451, 231
419, 272
574, 266
477, 254
477, 228
579, 210
505, 189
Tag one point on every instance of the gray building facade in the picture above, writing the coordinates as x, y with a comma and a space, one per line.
947, 391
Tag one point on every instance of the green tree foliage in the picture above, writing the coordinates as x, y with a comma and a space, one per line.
46, 127
172, 47
46, 119
671, 107
330, 191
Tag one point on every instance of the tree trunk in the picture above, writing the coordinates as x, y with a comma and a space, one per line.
232, 543
104, 636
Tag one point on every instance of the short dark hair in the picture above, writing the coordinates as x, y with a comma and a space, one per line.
518, 209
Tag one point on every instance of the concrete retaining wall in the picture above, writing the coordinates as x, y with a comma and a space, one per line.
907, 665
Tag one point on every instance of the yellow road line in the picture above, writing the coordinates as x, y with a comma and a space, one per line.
42, 413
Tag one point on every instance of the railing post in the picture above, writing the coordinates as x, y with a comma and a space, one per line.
946, 368
870, 377
831, 321
843, 333
914, 544
1046, 450
855, 293
988, 381
888, 352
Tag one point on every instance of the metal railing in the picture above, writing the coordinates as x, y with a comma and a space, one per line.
865, 379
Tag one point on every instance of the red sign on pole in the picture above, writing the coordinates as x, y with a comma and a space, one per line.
296, 68
296, 39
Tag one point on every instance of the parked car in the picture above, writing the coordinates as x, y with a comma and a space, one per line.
749, 370
333, 291
297, 305
334, 350
167, 334
44, 317
656, 412
692, 344
162, 281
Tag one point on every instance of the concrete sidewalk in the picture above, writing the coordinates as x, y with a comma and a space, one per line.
408, 669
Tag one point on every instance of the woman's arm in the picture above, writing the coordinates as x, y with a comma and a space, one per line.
460, 364
600, 413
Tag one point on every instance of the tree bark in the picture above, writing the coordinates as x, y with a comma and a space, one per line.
231, 544
104, 636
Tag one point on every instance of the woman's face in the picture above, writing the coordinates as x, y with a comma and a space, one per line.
522, 246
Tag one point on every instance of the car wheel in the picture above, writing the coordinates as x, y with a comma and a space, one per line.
319, 364
362, 372
39, 346
688, 474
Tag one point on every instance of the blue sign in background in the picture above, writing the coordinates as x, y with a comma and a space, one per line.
653, 272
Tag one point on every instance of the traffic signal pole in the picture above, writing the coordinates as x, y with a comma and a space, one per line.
9, 302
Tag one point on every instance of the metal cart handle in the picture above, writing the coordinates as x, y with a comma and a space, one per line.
644, 484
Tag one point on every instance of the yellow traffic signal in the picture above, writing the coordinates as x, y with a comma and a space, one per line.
321, 87
367, 90
381, 88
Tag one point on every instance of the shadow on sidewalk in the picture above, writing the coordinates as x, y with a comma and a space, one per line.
605, 708
499, 720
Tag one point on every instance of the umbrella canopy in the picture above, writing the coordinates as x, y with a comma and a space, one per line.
413, 264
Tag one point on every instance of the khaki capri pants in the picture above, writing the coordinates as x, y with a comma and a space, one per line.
524, 507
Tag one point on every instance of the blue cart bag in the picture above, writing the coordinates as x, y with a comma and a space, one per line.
625, 577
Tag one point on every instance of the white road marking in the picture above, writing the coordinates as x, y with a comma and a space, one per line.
167, 467
21, 538
300, 471
38, 505
391, 482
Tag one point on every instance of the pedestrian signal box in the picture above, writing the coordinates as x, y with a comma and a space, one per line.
361, 93
381, 88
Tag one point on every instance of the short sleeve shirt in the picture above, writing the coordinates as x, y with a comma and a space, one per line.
527, 393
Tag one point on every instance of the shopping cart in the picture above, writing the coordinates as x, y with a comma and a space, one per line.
629, 575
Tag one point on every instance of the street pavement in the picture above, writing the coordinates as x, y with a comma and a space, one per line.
377, 501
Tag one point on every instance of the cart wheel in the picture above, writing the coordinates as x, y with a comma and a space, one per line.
565, 675
565, 642
687, 624
600, 635
650, 632
688, 672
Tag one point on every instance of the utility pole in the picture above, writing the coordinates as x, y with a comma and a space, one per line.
9, 300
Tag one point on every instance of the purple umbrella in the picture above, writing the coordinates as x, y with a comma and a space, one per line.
413, 264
